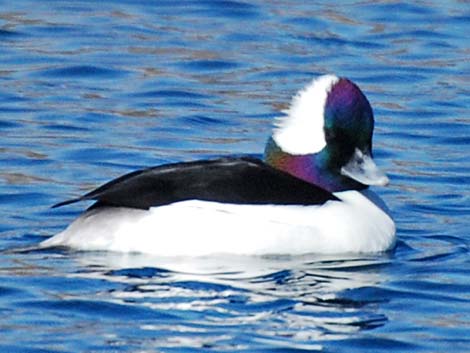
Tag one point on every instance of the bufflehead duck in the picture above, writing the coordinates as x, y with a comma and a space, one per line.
309, 195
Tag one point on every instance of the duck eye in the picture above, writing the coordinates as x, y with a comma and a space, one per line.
329, 135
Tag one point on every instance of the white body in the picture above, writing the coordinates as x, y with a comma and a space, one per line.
359, 223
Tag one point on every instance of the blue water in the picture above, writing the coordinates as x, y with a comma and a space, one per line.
90, 90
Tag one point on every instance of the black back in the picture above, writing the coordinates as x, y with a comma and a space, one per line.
229, 180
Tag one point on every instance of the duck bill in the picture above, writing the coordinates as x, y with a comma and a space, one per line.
362, 168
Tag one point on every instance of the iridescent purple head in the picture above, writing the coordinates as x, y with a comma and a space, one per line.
326, 137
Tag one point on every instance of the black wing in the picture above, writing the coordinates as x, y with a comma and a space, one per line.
229, 180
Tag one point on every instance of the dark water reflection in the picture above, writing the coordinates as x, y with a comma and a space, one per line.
91, 90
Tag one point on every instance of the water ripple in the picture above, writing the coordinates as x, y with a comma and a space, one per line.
81, 71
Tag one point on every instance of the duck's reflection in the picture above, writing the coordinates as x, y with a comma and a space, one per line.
302, 297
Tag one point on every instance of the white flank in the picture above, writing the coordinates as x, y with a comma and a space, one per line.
301, 130
197, 228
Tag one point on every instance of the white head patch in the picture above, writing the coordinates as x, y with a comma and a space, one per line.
301, 130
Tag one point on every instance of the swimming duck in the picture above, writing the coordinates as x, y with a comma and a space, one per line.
309, 195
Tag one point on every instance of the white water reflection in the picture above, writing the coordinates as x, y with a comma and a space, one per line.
299, 297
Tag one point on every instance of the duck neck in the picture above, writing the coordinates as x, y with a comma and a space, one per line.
312, 168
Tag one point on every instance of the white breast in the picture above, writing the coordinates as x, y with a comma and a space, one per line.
199, 228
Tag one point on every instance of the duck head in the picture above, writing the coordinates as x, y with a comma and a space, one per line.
325, 138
